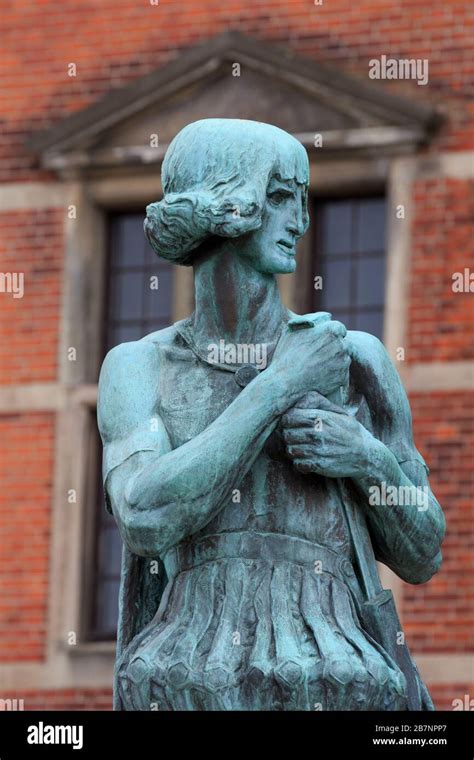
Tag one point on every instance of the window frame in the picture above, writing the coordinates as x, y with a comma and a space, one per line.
93, 576
318, 257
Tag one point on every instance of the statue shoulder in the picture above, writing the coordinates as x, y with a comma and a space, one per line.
375, 376
133, 361
127, 364
127, 392
367, 350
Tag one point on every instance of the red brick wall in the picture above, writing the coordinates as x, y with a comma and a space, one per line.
31, 243
64, 699
26, 466
113, 42
441, 321
439, 616
443, 695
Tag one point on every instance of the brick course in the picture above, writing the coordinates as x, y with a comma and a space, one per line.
116, 41
439, 616
26, 466
31, 243
441, 321
63, 699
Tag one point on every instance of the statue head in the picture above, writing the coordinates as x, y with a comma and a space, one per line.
235, 179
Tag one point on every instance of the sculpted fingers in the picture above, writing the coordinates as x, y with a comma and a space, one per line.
297, 418
330, 331
312, 400
337, 328
301, 451
307, 467
299, 435
310, 418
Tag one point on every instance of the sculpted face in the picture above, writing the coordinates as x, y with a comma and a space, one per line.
272, 248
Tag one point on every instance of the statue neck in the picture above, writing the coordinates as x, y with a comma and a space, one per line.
234, 302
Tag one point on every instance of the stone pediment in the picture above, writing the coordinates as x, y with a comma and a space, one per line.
234, 76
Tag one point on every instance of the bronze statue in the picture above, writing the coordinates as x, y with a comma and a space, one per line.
248, 454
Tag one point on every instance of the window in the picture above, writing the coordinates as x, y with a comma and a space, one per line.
349, 253
135, 307
105, 575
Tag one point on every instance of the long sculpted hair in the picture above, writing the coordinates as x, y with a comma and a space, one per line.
215, 176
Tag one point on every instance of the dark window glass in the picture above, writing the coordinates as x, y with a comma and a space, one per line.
107, 575
349, 254
337, 228
140, 284
139, 301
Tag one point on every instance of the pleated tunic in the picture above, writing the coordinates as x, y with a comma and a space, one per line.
264, 617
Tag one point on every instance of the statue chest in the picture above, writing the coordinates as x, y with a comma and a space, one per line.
191, 395
272, 496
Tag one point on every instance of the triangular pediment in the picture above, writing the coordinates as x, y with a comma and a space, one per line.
232, 76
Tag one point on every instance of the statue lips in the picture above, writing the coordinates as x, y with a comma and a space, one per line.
287, 247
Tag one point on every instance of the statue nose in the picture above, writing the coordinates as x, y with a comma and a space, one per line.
295, 224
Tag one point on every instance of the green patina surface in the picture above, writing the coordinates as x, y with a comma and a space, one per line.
244, 450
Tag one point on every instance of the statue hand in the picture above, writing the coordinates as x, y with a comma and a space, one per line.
315, 358
327, 442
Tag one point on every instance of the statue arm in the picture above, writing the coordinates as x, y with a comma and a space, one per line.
407, 538
159, 495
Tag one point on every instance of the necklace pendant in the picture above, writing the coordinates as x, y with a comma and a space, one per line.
245, 374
